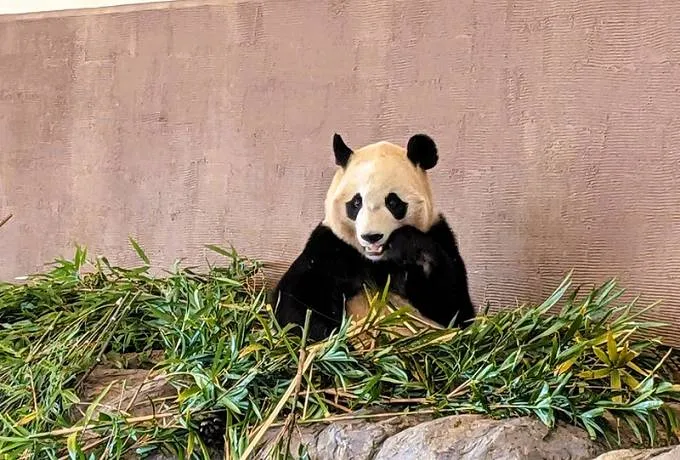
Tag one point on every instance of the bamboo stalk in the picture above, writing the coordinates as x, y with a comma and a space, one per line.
78, 429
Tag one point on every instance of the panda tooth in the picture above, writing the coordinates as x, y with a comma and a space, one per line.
374, 249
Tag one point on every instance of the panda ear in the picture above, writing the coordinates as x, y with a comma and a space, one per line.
342, 152
422, 151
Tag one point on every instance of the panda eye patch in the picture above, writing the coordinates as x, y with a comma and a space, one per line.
353, 206
396, 206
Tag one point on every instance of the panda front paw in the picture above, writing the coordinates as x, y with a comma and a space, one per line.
409, 246
211, 429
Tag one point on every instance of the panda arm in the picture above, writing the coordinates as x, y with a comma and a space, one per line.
321, 279
436, 282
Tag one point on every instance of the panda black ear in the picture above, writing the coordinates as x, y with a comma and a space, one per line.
422, 151
342, 152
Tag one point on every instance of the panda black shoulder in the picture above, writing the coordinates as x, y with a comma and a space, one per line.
324, 250
323, 241
442, 234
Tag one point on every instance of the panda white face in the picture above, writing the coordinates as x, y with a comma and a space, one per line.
376, 217
378, 190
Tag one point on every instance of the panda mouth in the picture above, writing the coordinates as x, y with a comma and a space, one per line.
374, 249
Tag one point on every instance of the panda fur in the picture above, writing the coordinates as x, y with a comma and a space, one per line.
379, 222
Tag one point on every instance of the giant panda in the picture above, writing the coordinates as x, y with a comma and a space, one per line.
379, 221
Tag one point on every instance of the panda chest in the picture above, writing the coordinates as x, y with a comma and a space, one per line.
397, 277
372, 280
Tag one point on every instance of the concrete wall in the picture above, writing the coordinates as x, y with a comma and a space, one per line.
188, 124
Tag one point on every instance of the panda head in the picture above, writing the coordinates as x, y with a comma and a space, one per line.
378, 189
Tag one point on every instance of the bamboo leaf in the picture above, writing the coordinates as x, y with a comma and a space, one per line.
602, 355
566, 366
139, 251
611, 348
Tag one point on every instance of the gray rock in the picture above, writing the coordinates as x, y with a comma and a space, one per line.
673, 454
353, 439
356, 440
471, 437
662, 453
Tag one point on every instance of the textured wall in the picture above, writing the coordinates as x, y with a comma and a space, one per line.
186, 124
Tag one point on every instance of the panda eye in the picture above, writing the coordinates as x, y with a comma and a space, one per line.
353, 206
356, 201
396, 206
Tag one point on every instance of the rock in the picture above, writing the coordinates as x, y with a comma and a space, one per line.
138, 392
134, 392
662, 453
672, 454
352, 439
471, 437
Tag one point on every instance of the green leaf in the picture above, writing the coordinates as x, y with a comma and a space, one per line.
611, 348
602, 355
219, 250
139, 251
72, 446
646, 406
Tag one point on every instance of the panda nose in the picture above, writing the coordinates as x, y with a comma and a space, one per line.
372, 237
